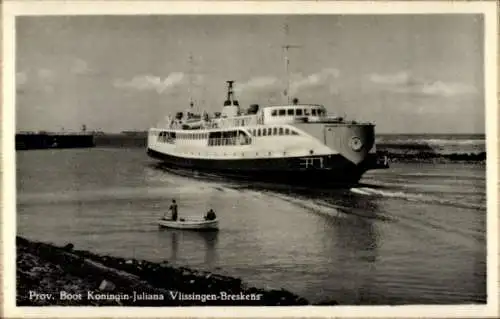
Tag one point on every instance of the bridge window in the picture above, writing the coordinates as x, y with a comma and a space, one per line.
298, 112
307, 112
280, 131
287, 131
264, 132
269, 131
274, 112
290, 112
275, 131
258, 132
282, 112
313, 112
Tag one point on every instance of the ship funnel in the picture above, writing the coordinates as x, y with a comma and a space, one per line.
231, 106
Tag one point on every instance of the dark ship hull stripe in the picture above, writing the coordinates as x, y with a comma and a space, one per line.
315, 170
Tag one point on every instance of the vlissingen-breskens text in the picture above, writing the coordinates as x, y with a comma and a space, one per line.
175, 295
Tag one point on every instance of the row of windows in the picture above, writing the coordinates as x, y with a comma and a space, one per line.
298, 112
166, 139
242, 140
182, 136
193, 136
270, 131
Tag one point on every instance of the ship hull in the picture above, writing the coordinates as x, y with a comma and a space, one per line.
329, 170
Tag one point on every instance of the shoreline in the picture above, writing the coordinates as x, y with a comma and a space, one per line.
50, 275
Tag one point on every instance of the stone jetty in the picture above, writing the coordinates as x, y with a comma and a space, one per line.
49, 275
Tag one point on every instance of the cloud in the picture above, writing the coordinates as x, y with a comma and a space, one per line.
47, 88
80, 67
151, 82
45, 74
298, 83
447, 89
21, 78
257, 84
198, 79
324, 78
391, 79
406, 83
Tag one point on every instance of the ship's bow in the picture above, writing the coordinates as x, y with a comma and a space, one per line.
356, 143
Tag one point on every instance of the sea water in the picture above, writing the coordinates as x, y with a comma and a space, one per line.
412, 234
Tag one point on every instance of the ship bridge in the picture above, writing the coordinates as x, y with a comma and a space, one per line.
284, 114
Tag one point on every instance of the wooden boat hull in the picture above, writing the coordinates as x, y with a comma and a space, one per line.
190, 224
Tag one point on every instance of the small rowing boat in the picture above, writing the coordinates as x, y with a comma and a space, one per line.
194, 224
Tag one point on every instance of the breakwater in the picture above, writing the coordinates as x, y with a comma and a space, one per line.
33, 141
52, 275
121, 140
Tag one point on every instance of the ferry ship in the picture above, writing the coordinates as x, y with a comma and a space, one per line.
292, 143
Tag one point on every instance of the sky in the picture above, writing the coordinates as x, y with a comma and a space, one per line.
405, 73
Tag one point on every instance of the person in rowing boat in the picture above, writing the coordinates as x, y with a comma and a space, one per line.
173, 209
210, 215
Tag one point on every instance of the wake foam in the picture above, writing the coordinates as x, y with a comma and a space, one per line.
414, 197
328, 209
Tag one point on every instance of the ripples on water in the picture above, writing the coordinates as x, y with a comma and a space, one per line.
410, 234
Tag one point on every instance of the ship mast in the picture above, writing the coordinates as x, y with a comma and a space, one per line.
286, 47
190, 75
